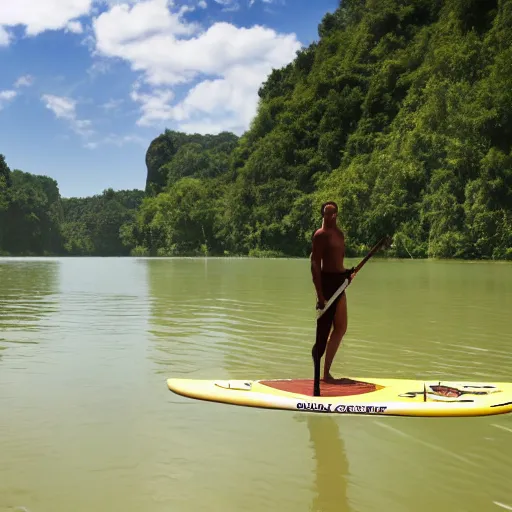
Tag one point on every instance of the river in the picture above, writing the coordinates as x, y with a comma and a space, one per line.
88, 424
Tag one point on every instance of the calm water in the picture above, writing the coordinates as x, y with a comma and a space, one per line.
87, 422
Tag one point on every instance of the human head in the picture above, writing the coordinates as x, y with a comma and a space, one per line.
329, 211
329, 203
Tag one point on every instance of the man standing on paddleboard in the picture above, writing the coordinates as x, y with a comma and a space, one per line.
329, 273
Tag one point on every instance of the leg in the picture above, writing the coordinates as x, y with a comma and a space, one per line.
323, 328
339, 330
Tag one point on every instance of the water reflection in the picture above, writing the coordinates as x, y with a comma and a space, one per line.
332, 467
28, 295
233, 316
181, 325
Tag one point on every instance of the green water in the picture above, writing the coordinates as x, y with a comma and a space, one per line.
87, 422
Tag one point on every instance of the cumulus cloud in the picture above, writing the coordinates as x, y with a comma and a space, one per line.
231, 99
61, 106
38, 16
143, 35
74, 26
155, 107
24, 81
65, 108
224, 64
6, 97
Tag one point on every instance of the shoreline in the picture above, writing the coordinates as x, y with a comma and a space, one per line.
242, 257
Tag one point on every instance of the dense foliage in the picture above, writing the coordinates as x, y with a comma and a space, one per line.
93, 225
35, 220
401, 112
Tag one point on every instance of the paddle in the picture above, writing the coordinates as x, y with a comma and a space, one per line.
320, 312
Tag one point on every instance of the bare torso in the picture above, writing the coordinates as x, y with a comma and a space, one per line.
333, 253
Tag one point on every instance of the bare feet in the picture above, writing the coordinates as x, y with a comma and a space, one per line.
329, 378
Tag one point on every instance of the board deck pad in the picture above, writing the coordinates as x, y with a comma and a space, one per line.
341, 387
355, 395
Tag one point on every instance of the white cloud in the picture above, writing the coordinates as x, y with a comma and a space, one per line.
230, 62
155, 107
82, 127
62, 107
229, 5
75, 27
24, 81
223, 64
65, 108
6, 97
121, 30
112, 104
38, 15
226, 99
99, 67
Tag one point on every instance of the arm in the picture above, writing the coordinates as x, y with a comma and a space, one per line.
316, 265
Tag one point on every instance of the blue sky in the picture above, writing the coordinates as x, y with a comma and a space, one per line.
87, 84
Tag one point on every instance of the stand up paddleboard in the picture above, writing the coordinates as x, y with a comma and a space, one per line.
372, 397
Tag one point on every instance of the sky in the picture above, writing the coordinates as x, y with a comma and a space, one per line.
86, 85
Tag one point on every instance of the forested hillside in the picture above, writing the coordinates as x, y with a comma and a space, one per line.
401, 112
36, 221
93, 226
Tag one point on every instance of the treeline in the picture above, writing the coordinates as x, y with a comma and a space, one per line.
35, 220
401, 112
93, 226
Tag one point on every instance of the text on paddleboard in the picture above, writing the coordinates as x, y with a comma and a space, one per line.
347, 409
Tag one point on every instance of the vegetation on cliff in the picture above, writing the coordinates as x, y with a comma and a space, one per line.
401, 112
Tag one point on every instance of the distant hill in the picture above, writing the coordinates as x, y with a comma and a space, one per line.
35, 220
